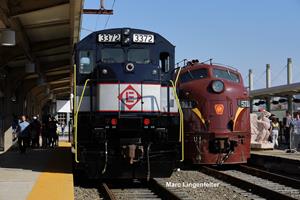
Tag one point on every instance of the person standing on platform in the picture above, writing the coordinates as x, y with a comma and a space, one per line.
52, 131
44, 136
14, 126
63, 126
23, 134
275, 131
35, 130
296, 130
287, 127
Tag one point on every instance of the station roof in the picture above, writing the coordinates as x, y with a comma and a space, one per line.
46, 31
277, 91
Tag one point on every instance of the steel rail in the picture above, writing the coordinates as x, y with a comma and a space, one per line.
271, 176
246, 185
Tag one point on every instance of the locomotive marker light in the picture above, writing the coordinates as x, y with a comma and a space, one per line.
126, 40
104, 71
218, 86
114, 121
154, 72
126, 31
147, 121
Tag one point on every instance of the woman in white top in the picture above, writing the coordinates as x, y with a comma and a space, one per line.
275, 130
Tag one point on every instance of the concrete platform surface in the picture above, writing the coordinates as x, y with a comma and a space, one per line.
38, 174
278, 153
278, 160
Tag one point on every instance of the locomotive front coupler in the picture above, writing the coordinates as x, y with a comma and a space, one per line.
132, 149
133, 153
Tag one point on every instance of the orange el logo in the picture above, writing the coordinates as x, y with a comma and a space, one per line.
219, 108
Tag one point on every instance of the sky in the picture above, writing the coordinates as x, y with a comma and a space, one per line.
239, 33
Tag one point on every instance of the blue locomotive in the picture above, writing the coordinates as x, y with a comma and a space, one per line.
126, 119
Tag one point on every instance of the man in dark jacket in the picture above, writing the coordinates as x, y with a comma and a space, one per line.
35, 131
52, 126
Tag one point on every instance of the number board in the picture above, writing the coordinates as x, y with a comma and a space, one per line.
143, 38
109, 37
244, 103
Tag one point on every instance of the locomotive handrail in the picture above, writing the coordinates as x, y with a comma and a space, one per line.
81, 97
74, 112
76, 109
181, 122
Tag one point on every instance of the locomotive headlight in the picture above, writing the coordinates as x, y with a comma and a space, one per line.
104, 71
217, 86
129, 67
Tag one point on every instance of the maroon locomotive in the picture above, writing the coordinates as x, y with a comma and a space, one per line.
215, 106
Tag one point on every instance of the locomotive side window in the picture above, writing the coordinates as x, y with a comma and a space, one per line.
139, 56
226, 74
112, 55
193, 75
86, 62
164, 61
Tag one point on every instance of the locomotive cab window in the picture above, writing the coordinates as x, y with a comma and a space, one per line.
226, 74
164, 61
112, 55
86, 62
193, 75
139, 56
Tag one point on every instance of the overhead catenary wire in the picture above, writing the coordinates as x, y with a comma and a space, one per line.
108, 17
96, 23
279, 73
246, 79
86, 29
259, 79
297, 75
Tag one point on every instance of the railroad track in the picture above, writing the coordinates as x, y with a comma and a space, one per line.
148, 190
258, 182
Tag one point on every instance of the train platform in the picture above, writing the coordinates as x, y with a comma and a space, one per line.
38, 174
279, 160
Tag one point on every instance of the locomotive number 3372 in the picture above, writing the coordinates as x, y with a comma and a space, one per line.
143, 38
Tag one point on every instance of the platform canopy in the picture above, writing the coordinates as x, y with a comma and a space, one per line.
276, 91
45, 32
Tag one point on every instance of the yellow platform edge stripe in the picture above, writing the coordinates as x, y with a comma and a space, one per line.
53, 186
64, 144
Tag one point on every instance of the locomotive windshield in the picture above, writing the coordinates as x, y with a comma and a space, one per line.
226, 74
86, 62
117, 55
193, 75
139, 56
112, 55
